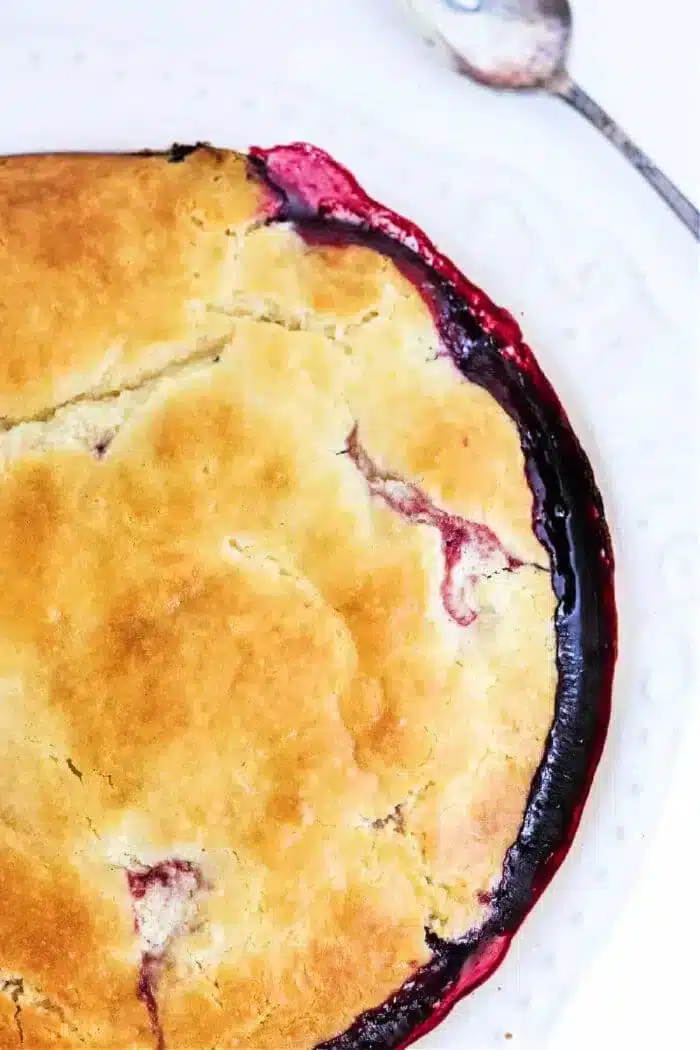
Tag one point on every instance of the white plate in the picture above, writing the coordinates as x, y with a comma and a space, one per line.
618, 360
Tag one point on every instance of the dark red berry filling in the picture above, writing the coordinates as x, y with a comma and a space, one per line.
146, 990
470, 550
166, 888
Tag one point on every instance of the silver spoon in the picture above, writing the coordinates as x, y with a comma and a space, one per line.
521, 44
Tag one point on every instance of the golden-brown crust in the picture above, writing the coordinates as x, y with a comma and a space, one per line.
106, 263
216, 644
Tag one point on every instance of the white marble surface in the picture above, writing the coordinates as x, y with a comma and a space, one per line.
635, 991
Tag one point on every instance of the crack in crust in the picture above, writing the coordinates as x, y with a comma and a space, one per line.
77, 412
20, 992
146, 382
14, 987
395, 819
206, 352
269, 312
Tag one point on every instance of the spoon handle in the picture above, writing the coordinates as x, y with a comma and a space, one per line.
563, 86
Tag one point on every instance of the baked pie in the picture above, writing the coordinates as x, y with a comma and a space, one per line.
306, 618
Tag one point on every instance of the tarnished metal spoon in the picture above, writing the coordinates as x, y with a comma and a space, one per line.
520, 44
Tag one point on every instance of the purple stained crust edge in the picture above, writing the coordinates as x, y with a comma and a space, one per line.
327, 205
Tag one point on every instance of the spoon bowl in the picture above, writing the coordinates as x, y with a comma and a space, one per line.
503, 43
524, 44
